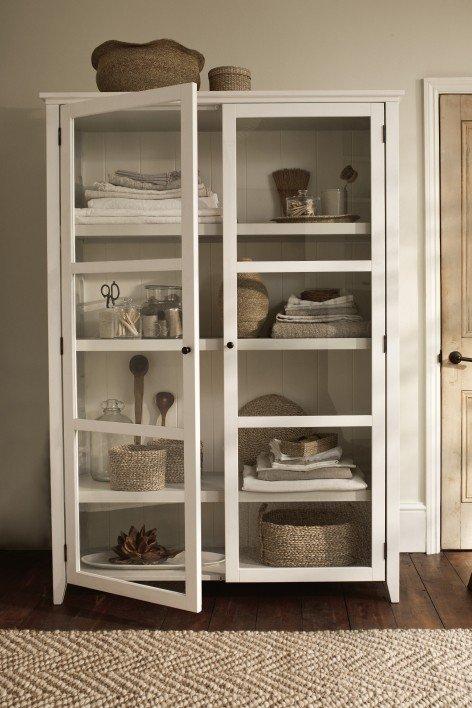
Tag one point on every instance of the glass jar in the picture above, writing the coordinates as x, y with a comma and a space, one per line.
102, 442
128, 319
300, 205
334, 201
161, 314
107, 323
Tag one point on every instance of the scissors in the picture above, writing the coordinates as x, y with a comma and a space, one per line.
110, 292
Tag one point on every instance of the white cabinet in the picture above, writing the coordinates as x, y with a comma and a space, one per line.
347, 385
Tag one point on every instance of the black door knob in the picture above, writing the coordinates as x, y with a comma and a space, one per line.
186, 350
456, 358
230, 345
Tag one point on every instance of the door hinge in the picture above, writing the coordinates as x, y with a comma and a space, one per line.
440, 357
385, 551
65, 552
385, 343
59, 136
384, 133
61, 345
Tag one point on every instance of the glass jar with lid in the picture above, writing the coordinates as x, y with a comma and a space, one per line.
300, 205
161, 314
128, 319
101, 443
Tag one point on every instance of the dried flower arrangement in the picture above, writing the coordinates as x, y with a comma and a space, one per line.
140, 548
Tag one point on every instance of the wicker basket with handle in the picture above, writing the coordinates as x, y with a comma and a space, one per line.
137, 468
320, 535
309, 446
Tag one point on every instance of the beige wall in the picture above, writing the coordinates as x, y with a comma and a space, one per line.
303, 44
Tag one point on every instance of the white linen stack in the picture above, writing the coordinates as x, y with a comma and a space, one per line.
338, 317
133, 197
325, 471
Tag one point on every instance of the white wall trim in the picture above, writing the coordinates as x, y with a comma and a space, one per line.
412, 527
433, 88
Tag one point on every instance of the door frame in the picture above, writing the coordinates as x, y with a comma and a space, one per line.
432, 90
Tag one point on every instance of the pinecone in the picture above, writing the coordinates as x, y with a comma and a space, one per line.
140, 548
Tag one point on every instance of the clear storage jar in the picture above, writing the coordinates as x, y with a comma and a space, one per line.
101, 443
300, 205
128, 319
161, 314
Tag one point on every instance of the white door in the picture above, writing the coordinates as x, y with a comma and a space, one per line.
92, 364
338, 381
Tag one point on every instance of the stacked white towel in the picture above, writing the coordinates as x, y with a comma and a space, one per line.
337, 309
133, 197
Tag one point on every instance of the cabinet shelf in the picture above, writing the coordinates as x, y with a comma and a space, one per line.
253, 230
216, 344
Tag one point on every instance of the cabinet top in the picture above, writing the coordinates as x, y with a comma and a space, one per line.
219, 97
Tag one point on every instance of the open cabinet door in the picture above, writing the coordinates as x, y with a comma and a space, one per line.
152, 121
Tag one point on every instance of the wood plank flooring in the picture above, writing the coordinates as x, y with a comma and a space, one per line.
433, 595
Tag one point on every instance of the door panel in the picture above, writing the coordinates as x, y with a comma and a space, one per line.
456, 318
95, 514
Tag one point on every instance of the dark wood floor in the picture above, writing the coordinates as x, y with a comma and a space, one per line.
433, 594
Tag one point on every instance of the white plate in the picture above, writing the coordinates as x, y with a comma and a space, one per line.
101, 560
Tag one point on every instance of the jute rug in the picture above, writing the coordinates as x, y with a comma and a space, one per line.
146, 668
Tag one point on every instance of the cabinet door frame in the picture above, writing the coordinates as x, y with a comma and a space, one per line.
184, 96
377, 570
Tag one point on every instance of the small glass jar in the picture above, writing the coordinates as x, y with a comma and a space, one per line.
101, 443
128, 319
107, 323
300, 205
334, 201
161, 314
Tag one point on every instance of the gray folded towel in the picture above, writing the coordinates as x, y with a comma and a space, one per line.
321, 330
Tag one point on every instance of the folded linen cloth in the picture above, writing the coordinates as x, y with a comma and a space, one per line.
333, 455
101, 190
160, 178
127, 181
161, 205
336, 309
252, 484
315, 305
320, 330
143, 212
333, 472
267, 462
81, 219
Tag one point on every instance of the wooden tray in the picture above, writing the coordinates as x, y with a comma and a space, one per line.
321, 218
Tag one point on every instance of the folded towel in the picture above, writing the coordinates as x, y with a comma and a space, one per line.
267, 462
163, 179
333, 472
125, 180
313, 319
161, 205
252, 484
106, 189
334, 454
320, 330
143, 212
341, 301
81, 219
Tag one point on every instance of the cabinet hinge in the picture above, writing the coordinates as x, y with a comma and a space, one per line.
61, 345
59, 136
440, 357
65, 552
385, 343
385, 551
384, 133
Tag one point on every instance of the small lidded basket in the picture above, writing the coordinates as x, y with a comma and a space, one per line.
308, 446
229, 78
137, 468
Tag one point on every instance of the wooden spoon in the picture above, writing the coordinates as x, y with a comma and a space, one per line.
139, 366
164, 401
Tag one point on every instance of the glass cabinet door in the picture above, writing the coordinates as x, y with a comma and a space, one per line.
304, 327
131, 345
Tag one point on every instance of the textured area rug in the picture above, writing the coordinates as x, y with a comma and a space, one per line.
147, 668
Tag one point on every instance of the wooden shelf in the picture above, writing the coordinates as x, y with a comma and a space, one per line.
92, 492
253, 230
216, 344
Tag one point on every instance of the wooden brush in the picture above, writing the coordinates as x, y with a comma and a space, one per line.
288, 181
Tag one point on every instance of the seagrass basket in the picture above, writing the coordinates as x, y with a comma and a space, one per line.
309, 446
319, 535
137, 468
174, 459
229, 78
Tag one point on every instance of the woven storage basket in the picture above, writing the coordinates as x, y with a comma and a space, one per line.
321, 535
252, 441
123, 66
137, 468
229, 78
252, 304
309, 446
174, 459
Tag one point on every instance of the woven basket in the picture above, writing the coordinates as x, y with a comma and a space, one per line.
122, 66
174, 459
252, 441
252, 304
321, 535
319, 295
137, 468
229, 78
309, 446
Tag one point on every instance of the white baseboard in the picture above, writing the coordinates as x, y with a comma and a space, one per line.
412, 527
